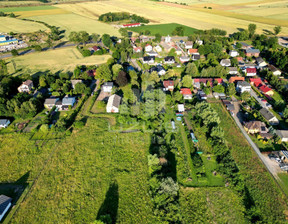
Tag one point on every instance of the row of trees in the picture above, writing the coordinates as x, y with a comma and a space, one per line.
119, 16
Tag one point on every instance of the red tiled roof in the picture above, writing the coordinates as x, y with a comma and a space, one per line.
185, 91
255, 80
239, 58
233, 79
168, 83
96, 48
265, 89
191, 51
219, 80
132, 24
250, 70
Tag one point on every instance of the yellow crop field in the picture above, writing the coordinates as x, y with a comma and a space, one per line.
25, 14
53, 60
8, 24
193, 15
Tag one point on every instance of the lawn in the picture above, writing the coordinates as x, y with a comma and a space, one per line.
163, 29
284, 181
95, 172
52, 60
8, 24
27, 8
98, 107
260, 185
202, 205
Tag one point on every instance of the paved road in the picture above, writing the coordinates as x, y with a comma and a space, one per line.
258, 98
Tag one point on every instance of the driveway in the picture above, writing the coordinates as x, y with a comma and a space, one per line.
258, 98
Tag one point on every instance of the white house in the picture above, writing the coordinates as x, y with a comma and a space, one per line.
283, 134
274, 70
260, 62
107, 87
113, 104
167, 39
184, 59
225, 62
199, 42
25, 87
233, 70
152, 53
148, 48
4, 123
50, 102
243, 86
158, 48
68, 101
233, 53
251, 72
188, 45
149, 60
269, 116
5, 204
181, 108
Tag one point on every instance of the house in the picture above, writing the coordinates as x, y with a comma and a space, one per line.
269, 116
51, 102
233, 70
91, 72
187, 94
168, 85
233, 53
74, 82
184, 59
113, 104
260, 62
253, 127
5, 204
250, 72
188, 45
274, 70
202, 95
255, 82
4, 123
196, 57
197, 82
149, 60
230, 106
266, 90
243, 86
252, 52
158, 48
235, 79
245, 45
68, 101
159, 69
167, 39
169, 60
107, 87
225, 62
137, 49
219, 95
148, 48
283, 135
131, 25
152, 53
199, 42
192, 51
96, 48
181, 108
25, 87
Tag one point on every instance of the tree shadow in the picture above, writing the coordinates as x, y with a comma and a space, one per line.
267, 32
109, 207
240, 29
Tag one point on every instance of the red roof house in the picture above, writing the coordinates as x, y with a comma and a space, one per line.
168, 85
251, 71
187, 94
266, 90
131, 25
192, 51
236, 78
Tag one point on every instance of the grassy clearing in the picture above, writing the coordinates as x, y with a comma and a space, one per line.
94, 169
64, 59
284, 181
27, 14
8, 24
163, 29
201, 205
29, 8
98, 107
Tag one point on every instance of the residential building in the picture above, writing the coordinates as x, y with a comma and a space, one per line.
260, 62
159, 69
68, 101
274, 70
254, 127
51, 102
233, 70
5, 205
181, 108
152, 53
149, 60
245, 45
236, 78
25, 87
168, 85
202, 95
199, 42
167, 39
137, 49
266, 90
113, 104
4, 123
196, 56
131, 25
255, 82
107, 87
184, 59
148, 48
192, 51
251, 72
269, 116
225, 62
233, 53
188, 45
243, 86
204, 81
187, 94
229, 105
158, 48
283, 135
178, 51
169, 60
251, 52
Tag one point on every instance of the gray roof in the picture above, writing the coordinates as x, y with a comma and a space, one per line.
282, 133
51, 100
225, 61
253, 51
245, 44
4, 202
116, 101
266, 114
68, 100
3, 121
243, 83
259, 60
108, 84
232, 69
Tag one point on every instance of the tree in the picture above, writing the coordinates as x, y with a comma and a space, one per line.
79, 88
14, 52
44, 128
179, 31
157, 37
217, 132
219, 89
123, 32
187, 81
251, 29
12, 15
169, 187
245, 96
95, 37
74, 37
84, 37
231, 89
42, 81
103, 72
153, 163
116, 69
106, 39
38, 48
277, 29
121, 79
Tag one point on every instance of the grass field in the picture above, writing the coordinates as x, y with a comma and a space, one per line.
52, 60
284, 181
95, 172
30, 8
15, 25
163, 29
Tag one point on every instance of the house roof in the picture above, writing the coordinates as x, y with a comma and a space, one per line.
255, 80
239, 58
137, 48
96, 48
272, 68
51, 100
202, 80
219, 80
3, 121
28, 82
196, 56
225, 62
192, 50
259, 60
245, 44
68, 100
266, 114
169, 58
232, 69
253, 125
168, 83
185, 91
253, 51
250, 70
74, 82
189, 43
236, 78
282, 133
114, 100
108, 84
243, 83
4, 202
149, 58
132, 24
265, 89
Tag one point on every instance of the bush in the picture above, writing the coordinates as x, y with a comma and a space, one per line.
86, 53
44, 128
14, 52
79, 124
38, 48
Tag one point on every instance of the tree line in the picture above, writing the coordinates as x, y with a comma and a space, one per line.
119, 16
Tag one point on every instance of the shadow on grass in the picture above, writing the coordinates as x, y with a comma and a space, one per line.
109, 208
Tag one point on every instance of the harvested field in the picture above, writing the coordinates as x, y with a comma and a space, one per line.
8, 24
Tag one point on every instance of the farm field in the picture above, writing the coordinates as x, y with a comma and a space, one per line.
15, 25
201, 205
95, 172
163, 29
52, 60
